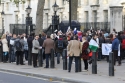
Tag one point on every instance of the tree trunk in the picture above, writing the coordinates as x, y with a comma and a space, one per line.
39, 17
74, 6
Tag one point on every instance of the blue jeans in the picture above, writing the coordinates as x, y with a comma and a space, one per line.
47, 59
76, 63
58, 57
26, 54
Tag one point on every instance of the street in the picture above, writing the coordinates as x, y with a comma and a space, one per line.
13, 78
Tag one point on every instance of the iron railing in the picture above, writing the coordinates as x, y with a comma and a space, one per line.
96, 25
19, 28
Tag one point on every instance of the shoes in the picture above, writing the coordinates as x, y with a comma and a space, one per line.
22, 64
69, 71
76, 71
119, 65
46, 67
35, 66
84, 70
58, 62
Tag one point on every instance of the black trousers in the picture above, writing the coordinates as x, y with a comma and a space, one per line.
35, 56
76, 63
19, 55
85, 64
116, 57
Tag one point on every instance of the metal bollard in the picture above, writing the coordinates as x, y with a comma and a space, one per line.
52, 62
111, 64
79, 65
94, 63
29, 56
41, 58
65, 59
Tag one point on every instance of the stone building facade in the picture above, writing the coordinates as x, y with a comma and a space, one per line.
89, 11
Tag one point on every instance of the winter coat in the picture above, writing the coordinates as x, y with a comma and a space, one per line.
29, 41
5, 45
48, 44
115, 44
35, 45
73, 48
84, 49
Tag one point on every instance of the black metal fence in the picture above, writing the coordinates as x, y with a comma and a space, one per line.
20, 28
96, 25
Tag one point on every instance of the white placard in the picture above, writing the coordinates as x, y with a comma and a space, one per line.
107, 48
11, 42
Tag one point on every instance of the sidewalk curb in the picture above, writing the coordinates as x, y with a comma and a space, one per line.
44, 76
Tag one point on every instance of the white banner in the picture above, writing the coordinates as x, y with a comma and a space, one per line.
107, 48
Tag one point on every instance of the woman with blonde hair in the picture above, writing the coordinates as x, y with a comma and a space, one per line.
5, 47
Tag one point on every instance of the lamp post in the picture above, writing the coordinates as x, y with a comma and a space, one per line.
2, 16
69, 12
28, 20
55, 17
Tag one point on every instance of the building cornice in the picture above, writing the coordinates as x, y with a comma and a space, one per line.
115, 6
94, 5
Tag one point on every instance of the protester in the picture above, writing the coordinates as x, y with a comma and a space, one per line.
35, 50
74, 52
19, 48
12, 50
59, 46
25, 48
85, 52
115, 48
5, 48
48, 44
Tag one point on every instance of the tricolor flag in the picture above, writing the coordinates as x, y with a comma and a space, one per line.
93, 45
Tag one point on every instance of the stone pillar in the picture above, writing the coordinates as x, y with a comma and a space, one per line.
116, 18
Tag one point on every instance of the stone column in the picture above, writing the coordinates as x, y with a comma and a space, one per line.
116, 18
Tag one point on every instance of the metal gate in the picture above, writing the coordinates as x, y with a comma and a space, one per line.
20, 28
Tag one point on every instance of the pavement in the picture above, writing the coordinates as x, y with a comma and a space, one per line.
59, 74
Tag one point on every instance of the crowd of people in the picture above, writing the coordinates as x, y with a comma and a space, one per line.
15, 48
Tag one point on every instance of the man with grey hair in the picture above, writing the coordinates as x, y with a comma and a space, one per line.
115, 48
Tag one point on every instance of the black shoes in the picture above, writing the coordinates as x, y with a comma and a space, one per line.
35, 66
46, 67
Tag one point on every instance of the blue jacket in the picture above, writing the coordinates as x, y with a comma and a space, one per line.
115, 44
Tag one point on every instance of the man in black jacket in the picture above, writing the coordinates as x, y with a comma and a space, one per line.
29, 41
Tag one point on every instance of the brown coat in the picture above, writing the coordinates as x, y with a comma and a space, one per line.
74, 48
48, 44
85, 46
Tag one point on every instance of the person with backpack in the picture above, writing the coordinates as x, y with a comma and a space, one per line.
19, 47
60, 44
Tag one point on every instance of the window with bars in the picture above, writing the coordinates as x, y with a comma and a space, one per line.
86, 16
